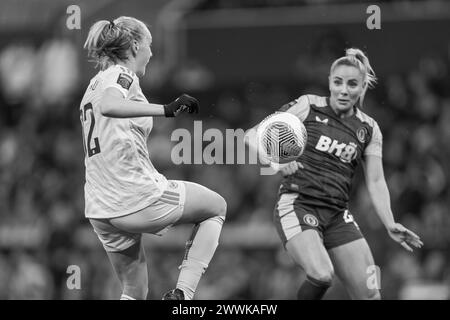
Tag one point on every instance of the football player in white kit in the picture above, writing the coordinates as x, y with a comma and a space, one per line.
125, 195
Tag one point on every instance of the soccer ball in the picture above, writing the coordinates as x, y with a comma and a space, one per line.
281, 137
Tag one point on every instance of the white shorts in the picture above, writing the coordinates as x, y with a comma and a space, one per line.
118, 234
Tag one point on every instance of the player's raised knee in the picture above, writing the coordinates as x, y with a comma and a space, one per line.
220, 205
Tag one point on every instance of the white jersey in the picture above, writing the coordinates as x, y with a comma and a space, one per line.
120, 178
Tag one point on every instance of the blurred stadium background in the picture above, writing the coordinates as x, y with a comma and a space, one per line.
242, 59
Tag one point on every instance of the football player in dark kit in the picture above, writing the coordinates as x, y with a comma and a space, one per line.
311, 215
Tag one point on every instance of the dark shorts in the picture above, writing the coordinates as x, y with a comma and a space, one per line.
336, 228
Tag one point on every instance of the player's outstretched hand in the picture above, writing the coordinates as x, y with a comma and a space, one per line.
290, 168
181, 104
405, 237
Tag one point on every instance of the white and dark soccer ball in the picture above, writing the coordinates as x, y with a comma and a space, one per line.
281, 137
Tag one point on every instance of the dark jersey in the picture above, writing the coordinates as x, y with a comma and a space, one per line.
334, 149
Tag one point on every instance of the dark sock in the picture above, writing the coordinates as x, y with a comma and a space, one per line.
312, 289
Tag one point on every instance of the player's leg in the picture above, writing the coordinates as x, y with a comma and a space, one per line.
130, 266
304, 244
183, 202
308, 252
352, 258
207, 210
201, 203
127, 256
355, 267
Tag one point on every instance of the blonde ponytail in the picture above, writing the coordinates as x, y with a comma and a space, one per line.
355, 57
95, 35
110, 41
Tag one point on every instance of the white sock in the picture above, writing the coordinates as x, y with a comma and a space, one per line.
126, 297
200, 249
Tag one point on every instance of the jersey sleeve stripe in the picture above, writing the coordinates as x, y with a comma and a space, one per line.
317, 100
289, 222
168, 201
301, 108
365, 118
171, 193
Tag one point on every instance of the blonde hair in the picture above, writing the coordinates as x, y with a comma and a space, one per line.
356, 58
110, 41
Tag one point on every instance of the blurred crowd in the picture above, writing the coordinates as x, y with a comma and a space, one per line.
42, 224
226, 4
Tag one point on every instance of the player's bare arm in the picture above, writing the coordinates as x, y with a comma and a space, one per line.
114, 105
379, 193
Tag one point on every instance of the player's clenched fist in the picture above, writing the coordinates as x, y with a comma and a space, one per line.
180, 104
290, 168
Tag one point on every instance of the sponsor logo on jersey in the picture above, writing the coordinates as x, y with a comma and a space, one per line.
310, 220
345, 152
125, 81
324, 121
361, 133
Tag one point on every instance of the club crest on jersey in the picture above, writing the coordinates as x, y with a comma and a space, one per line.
345, 152
361, 133
310, 220
125, 81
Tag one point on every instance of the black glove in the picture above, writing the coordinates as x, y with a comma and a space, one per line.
180, 104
